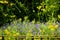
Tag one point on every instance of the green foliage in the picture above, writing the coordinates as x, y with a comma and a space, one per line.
17, 28
39, 10
48, 10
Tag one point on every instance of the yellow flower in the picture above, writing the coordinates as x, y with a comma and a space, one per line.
20, 19
29, 34
0, 37
43, 10
14, 35
51, 27
13, 16
5, 14
17, 34
39, 7
11, 4
58, 16
42, 31
6, 31
56, 26
5, 1
33, 10
1, 2
25, 17
29, 30
33, 21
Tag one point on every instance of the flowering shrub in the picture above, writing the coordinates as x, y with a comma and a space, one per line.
30, 28
37, 9
18, 28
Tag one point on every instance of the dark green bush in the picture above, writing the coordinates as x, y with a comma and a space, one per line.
15, 9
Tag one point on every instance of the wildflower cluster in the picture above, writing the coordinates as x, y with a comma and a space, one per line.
25, 28
3, 1
52, 27
59, 16
18, 28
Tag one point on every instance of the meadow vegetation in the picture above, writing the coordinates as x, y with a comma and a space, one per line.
29, 18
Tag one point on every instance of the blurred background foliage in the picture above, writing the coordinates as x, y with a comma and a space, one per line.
40, 10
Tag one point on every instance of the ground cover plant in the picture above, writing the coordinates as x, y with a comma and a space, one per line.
18, 28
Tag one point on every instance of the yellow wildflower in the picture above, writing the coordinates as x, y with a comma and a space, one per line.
6, 31
11, 4
5, 14
20, 19
39, 7
25, 17
51, 27
13, 16
29, 30
58, 16
33, 10
42, 31
43, 10
14, 35
29, 34
1, 2
0, 37
33, 21
5, 1
17, 33
56, 26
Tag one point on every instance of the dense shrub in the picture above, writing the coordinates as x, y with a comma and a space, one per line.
35, 9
